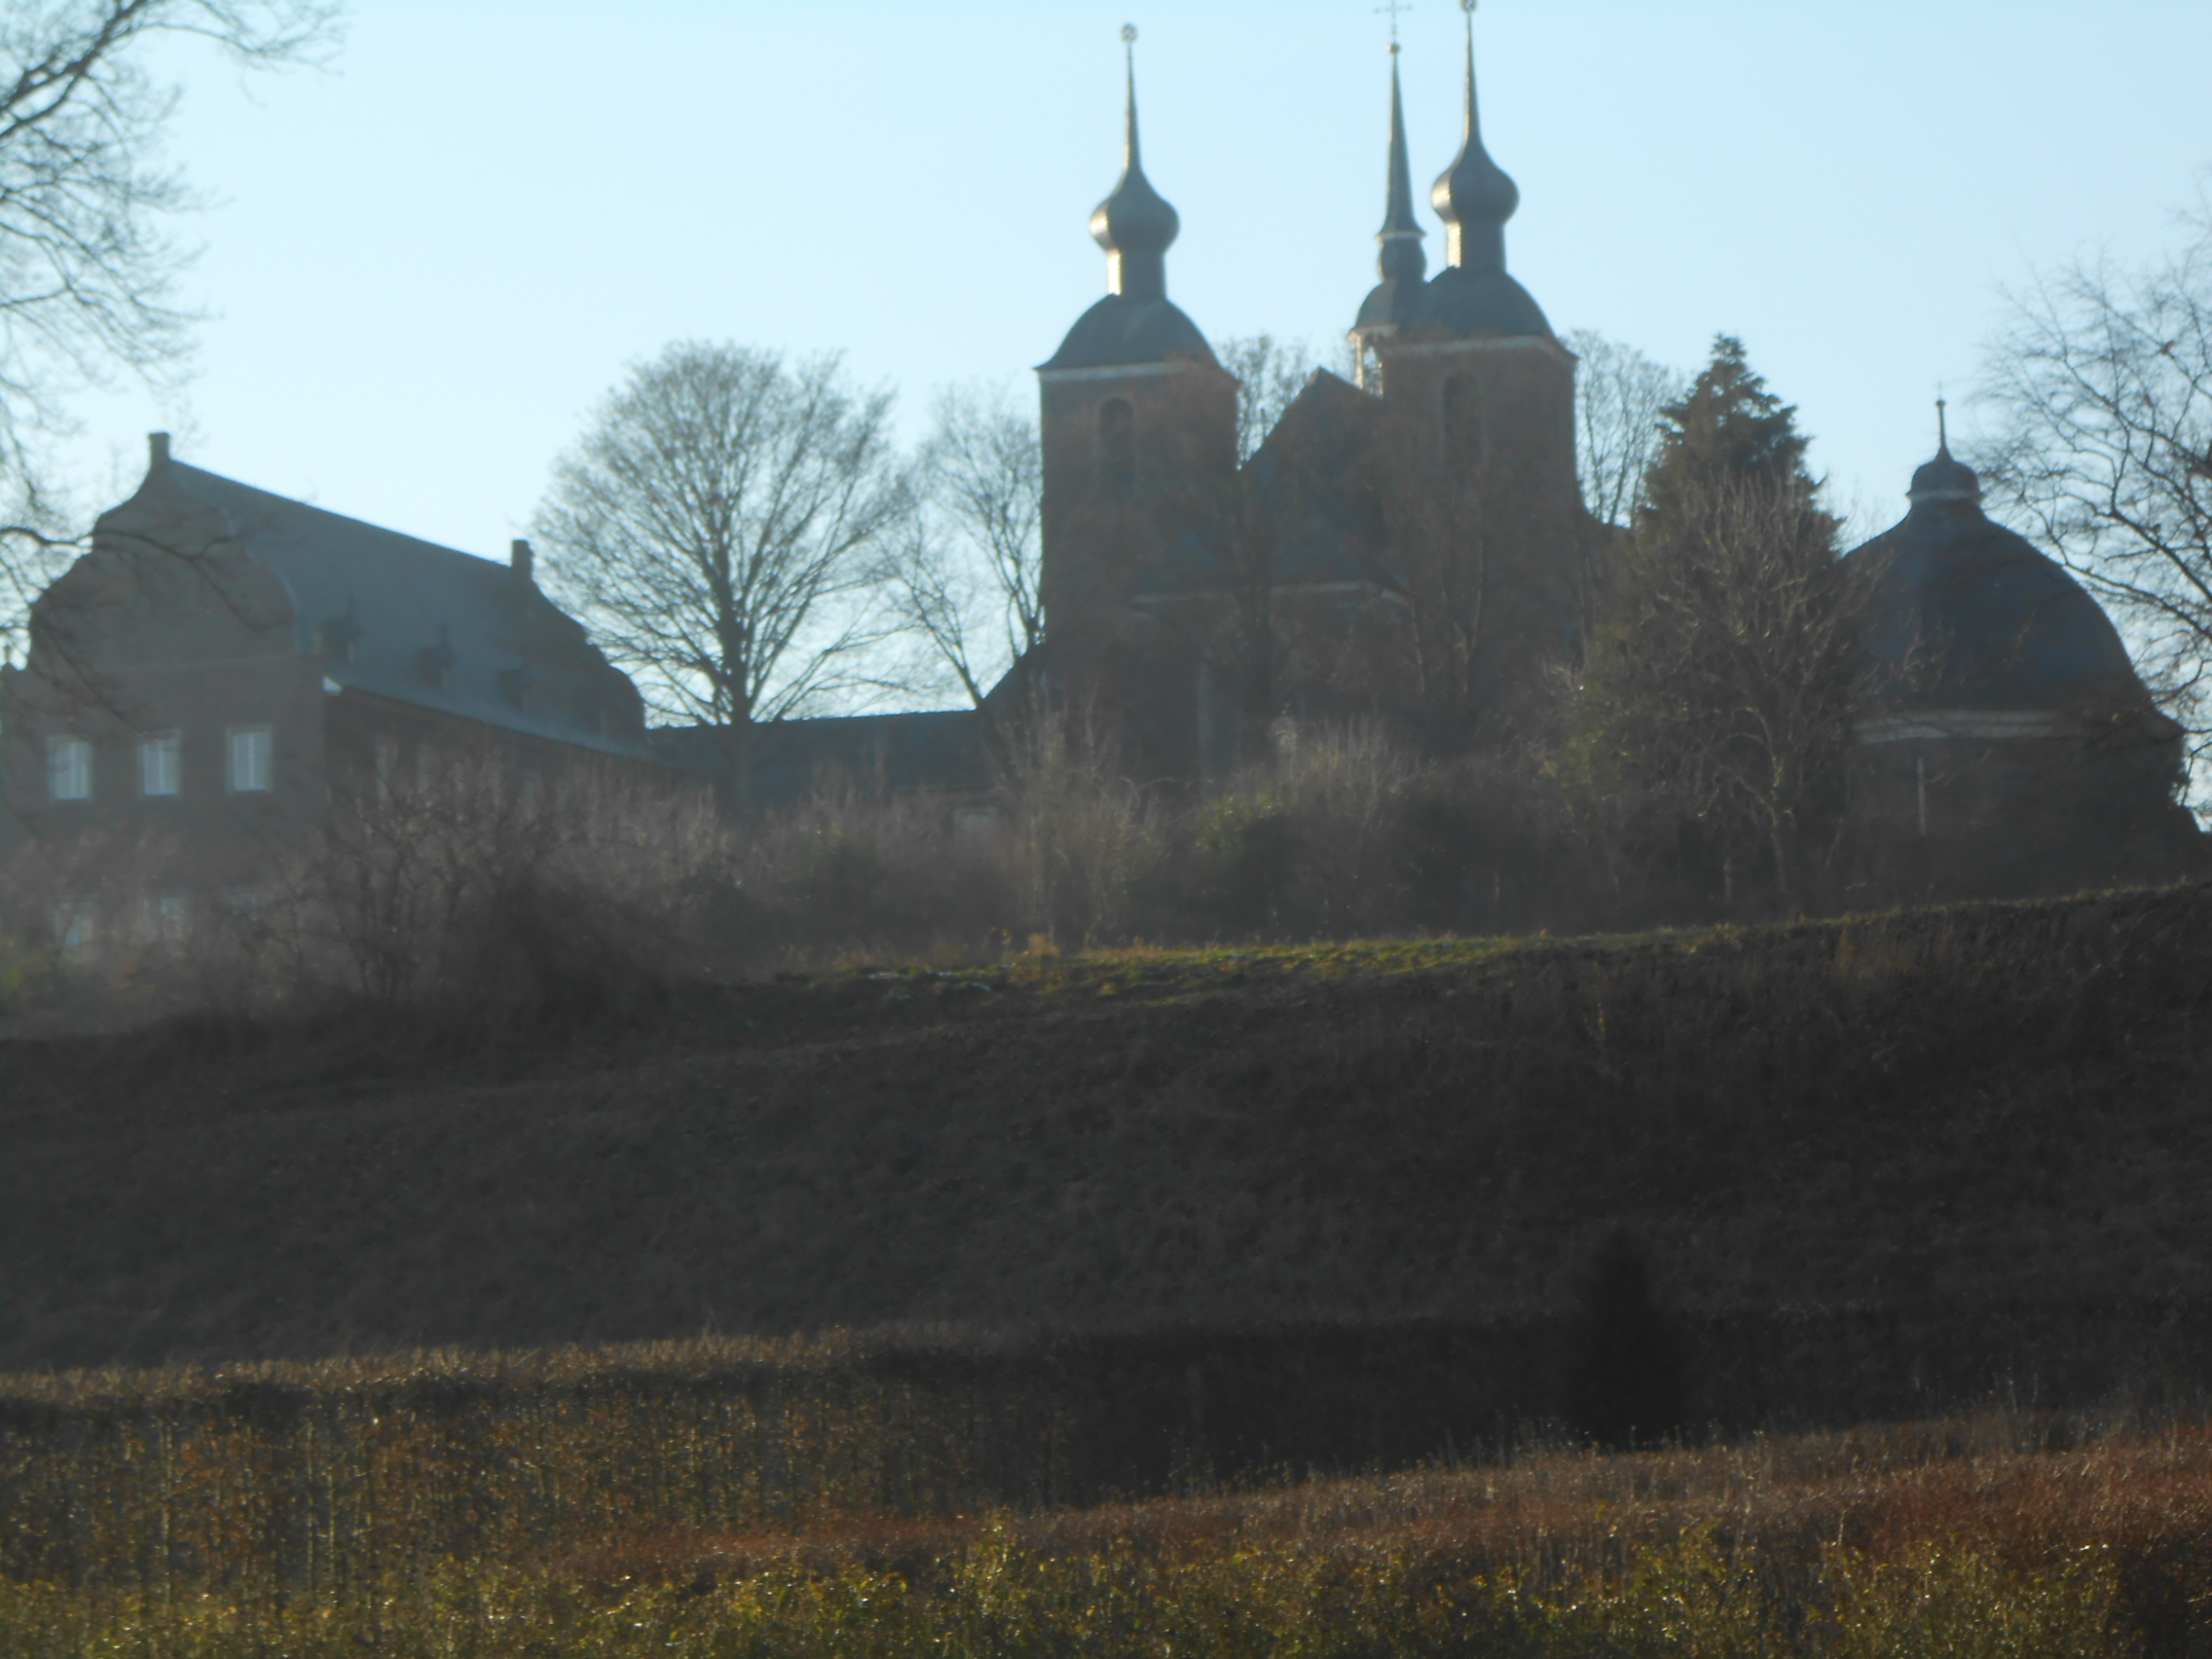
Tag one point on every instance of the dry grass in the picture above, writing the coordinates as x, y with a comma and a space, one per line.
2002, 1535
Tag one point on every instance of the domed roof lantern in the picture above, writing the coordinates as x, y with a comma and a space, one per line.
1475, 196
1945, 478
1136, 225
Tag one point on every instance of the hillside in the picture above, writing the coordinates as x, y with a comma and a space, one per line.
1973, 1105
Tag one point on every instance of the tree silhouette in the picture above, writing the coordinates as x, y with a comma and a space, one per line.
1624, 1375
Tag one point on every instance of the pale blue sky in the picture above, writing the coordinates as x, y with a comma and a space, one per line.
430, 262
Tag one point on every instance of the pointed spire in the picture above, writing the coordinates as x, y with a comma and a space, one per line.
1474, 197
1943, 426
1403, 260
1134, 224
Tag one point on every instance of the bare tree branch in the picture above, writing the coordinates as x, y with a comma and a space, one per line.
719, 525
1620, 406
962, 574
88, 268
2101, 382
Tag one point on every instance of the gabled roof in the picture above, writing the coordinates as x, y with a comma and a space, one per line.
418, 623
1311, 474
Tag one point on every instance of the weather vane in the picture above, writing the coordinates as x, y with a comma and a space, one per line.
1391, 10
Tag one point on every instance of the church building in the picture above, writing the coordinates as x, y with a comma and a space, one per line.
1413, 543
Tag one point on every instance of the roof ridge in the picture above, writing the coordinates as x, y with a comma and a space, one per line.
294, 503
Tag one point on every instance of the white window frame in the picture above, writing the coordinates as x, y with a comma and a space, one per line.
161, 765
77, 926
68, 769
249, 758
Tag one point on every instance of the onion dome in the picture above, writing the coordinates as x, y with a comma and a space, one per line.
1472, 295
1475, 196
1968, 615
1135, 323
1136, 225
1403, 263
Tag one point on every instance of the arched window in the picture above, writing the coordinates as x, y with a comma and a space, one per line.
1118, 446
1462, 421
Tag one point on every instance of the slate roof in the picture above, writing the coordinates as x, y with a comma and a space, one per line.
1310, 472
1119, 331
902, 754
1461, 303
1966, 615
517, 661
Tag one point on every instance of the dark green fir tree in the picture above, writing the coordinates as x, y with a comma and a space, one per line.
1714, 714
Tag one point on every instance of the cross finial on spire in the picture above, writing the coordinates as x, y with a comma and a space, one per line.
1394, 11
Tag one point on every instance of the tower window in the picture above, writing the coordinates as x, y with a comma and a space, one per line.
161, 765
69, 768
1462, 421
1118, 446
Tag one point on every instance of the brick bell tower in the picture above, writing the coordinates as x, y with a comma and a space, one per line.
1138, 421
1479, 395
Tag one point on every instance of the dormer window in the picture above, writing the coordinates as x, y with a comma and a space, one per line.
340, 638
520, 685
434, 663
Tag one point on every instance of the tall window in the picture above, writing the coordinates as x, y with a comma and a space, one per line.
1118, 446
1462, 421
69, 768
161, 764
252, 748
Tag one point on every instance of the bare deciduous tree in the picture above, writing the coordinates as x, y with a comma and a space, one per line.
1269, 374
1620, 406
87, 270
715, 525
963, 571
2101, 382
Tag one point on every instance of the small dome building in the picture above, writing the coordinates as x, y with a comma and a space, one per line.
2006, 743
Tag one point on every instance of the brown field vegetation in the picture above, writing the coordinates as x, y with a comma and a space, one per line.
2000, 1534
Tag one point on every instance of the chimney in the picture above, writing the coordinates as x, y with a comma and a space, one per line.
157, 450
522, 561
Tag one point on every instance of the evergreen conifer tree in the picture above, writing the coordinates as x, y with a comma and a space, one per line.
1714, 714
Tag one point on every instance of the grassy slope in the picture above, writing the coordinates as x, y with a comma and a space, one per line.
2006, 1100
